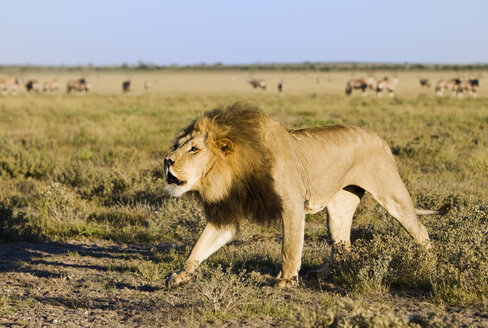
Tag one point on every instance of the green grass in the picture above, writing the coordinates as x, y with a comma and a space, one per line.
91, 168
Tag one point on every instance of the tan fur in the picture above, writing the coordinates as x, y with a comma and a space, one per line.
257, 83
389, 84
245, 165
9, 85
78, 86
50, 87
363, 84
452, 85
470, 86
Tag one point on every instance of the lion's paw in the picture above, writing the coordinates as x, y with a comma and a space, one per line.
177, 279
285, 283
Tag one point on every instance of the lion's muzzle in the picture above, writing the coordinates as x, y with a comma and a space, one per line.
168, 162
170, 177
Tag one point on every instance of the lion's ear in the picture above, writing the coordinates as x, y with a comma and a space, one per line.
226, 145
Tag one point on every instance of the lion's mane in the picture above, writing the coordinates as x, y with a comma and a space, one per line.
239, 185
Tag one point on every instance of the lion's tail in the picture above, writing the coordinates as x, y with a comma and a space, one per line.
441, 211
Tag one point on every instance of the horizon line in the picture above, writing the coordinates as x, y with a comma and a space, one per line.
150, 65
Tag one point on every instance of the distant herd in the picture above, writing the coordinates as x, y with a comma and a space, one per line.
456, 86
11, 85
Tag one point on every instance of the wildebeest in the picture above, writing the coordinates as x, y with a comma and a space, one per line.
257, 83
389, 84
452, 85
9, 85
425, 83
32, 85
50, 86
362, 84
126, 86
77, 86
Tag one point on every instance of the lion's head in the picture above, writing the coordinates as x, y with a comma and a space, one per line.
222, 156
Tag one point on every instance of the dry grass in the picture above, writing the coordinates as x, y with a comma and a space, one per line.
83, 174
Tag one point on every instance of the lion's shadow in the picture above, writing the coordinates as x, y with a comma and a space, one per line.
48, 259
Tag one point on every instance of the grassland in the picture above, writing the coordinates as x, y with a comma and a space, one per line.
89, 234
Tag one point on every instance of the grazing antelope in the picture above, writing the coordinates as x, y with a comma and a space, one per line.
257, 83
389, 84
126, 86
470, 85
475, 85
452, 85
50, 87
32, 86
77, 86
425, 83
148, 84
363, 84
280, 88
9, 85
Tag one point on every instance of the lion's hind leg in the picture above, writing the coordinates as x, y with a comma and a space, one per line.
340, 211
390, 191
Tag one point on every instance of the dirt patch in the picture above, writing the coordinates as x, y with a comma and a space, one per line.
76, 284
87, 284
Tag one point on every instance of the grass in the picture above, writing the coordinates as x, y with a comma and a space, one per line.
89, 169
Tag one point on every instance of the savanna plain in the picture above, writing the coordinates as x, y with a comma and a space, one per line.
88, 234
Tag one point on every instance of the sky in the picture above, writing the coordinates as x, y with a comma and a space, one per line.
107, 32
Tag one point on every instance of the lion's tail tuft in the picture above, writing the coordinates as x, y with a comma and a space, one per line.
441, 211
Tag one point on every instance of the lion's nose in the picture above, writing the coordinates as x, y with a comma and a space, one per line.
168, 161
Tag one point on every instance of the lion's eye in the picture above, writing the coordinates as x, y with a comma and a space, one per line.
175, 147
194, 149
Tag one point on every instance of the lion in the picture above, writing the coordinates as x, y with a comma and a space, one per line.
245, 165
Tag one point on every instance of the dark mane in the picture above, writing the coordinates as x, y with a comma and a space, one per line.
253, 198
251, 194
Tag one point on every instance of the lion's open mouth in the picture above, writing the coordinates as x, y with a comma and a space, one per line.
172, 179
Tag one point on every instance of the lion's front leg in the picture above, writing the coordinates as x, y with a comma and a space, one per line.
293, 234
212, 238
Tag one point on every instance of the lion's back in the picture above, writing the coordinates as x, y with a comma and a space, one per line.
337, 148
337, 136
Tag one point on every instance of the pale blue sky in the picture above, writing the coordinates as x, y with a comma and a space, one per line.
239, 32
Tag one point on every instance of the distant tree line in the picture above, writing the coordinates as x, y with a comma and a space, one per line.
305, 66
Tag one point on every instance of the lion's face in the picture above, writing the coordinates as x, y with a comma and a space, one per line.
193, 156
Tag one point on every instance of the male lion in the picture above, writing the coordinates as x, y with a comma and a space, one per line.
245, 165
